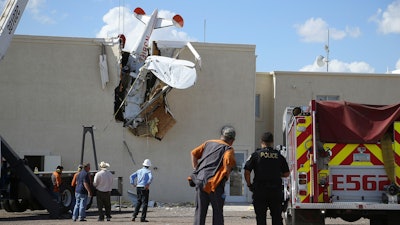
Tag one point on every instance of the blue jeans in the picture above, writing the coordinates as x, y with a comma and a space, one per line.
80, 206
143, 199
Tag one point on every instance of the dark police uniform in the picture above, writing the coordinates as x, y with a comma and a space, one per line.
268, 165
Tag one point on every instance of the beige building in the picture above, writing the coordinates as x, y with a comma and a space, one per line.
50, 88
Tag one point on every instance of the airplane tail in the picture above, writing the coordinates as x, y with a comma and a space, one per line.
139, 11
176, 21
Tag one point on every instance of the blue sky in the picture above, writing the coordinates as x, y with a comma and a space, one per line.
364, 36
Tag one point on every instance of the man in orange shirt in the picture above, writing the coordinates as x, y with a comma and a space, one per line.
213, 161
56, 180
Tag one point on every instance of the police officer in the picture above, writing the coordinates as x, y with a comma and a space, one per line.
269, 166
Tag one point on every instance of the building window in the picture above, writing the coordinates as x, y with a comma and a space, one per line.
258, 106
327, 97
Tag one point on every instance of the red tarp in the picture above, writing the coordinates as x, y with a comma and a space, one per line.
346, 122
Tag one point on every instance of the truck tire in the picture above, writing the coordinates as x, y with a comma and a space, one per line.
350, 217
6, 205
67, 198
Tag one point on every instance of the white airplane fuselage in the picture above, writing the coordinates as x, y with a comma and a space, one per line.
140, 49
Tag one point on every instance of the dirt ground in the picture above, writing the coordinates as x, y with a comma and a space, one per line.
163, 215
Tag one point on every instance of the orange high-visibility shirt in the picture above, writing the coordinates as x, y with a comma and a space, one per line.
228, 162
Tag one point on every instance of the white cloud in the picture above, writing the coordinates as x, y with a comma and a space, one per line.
353, 32
339, 66
389, 20
35, 7
397, 70
313, 30
132, 28
316, 30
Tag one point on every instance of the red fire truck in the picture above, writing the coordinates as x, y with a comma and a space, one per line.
344, 160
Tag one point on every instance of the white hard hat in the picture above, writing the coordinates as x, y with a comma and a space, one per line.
147, 162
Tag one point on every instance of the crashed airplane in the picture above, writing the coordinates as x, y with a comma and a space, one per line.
147, 75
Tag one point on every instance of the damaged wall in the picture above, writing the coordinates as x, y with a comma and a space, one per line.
50, 87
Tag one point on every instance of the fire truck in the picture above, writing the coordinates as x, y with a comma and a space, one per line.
344, 161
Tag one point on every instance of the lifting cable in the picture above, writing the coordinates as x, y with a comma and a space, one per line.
120, 8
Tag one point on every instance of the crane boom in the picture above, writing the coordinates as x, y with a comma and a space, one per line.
9, 20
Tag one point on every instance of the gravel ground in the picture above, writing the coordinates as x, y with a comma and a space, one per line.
164, 215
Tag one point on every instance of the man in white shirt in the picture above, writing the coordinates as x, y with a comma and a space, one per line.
103, 183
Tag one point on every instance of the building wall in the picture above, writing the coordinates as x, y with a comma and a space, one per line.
50, 87
264, 88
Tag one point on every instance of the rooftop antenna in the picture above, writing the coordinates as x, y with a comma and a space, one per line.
321, 60
204, 30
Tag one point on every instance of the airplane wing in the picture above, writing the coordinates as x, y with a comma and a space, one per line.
173, 49
174, 73
177, 73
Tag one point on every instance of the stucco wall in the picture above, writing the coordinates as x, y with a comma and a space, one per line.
50, 87
265, 88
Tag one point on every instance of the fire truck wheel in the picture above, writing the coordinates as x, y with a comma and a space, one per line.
6, 205
350, 218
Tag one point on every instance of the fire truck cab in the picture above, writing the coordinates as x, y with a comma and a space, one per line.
344, 161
